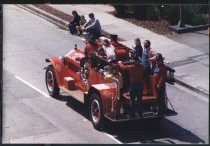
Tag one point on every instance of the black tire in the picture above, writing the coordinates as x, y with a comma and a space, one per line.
51, 82
96, 111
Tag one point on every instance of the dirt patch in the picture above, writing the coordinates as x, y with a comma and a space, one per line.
54, 11
159, 26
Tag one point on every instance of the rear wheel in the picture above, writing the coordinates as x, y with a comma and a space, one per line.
51, 82
96, 111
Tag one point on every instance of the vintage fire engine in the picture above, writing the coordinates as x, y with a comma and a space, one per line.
88, 85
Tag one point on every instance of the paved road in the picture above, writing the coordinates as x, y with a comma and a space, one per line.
31, 116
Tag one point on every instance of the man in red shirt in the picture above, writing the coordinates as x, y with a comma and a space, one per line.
136, 71
91, 46
160, 74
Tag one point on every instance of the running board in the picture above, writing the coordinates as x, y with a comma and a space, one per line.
77, 94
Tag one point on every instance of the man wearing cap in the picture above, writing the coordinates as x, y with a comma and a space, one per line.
160, 73
136, 71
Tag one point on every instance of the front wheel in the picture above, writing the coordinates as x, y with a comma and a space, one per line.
96, 111
51, 82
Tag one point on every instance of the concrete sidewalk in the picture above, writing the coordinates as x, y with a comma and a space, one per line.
191, 64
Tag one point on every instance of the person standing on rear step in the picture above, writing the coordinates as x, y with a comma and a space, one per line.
136, 71
74, 22
160, 74
148, 57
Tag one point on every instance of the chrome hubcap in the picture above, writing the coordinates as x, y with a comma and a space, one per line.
95, 111
50, 81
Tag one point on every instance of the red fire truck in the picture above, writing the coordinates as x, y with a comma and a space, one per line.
88, 85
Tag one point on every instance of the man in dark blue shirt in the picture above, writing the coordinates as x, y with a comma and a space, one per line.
74, 22
93, 27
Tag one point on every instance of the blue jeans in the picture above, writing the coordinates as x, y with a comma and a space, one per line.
94, 33
161, 99
72, 28
136, 90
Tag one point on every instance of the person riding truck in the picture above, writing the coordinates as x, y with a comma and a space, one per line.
148, 57
136, 71
160, 74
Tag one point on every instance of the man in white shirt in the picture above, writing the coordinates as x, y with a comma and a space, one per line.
109, 50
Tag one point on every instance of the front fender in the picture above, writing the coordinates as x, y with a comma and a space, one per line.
57, 66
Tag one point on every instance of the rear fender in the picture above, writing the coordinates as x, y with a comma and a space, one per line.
99, 92
106, 97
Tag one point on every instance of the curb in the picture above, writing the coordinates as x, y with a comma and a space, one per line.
188, 28
191, 87
63, 24
51, 18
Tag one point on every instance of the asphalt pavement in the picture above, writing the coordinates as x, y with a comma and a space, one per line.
187, 53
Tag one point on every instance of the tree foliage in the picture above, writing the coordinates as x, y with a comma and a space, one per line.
191, 14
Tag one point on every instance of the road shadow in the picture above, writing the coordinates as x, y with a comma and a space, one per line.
146, 132
62, 97
75, 105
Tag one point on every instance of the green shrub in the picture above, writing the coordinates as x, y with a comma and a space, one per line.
153, 13
120, 10
191, 14
139, 11
170, 13
200, 19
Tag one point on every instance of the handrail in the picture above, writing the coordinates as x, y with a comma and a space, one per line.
118, 87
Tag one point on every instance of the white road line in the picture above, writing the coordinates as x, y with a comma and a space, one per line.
46, 95
112, 137
33, 87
